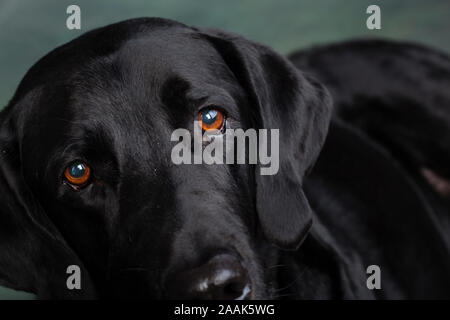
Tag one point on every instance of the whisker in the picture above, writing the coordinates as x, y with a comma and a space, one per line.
292, 283
277, 266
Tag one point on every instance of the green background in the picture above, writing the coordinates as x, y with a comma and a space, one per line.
31, 28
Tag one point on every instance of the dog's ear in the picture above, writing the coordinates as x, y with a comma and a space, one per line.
280, 97
33, 255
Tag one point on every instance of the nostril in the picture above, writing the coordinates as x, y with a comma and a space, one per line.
244, 293
237, 290
222, 277
228, 283
233, 287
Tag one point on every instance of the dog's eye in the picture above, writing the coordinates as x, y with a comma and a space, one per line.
211, 119
78, 173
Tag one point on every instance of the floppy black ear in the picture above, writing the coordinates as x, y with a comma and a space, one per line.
281, 97
33, 255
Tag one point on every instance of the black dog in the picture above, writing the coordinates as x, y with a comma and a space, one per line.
395, 92
87, 180
381, 187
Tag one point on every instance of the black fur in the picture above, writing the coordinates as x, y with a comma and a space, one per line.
392, 121
113, 97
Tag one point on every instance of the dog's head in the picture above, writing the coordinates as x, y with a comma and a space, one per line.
87, 167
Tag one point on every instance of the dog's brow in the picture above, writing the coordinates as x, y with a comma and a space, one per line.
90, 137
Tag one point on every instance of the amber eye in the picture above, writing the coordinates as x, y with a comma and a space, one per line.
78, 173
211, 119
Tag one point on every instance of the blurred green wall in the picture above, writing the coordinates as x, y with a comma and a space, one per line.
9, 294
31, 28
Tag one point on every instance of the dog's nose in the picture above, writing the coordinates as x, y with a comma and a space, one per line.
221, 278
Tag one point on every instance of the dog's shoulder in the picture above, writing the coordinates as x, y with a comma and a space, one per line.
395, 92
369, 211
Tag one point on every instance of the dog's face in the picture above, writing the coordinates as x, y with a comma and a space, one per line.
89, 135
